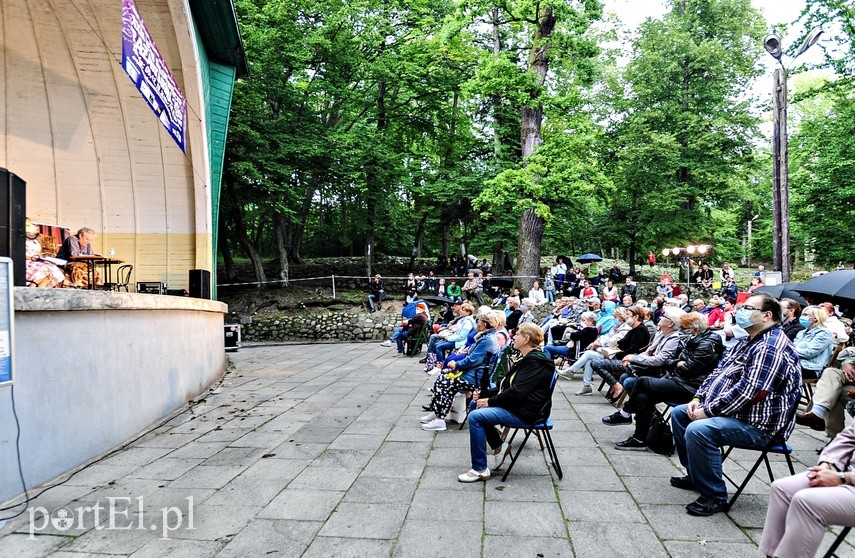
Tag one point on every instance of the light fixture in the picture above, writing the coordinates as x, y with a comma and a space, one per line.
676, 251
702, 249
690, 249
810, 40
772, 44
666, 252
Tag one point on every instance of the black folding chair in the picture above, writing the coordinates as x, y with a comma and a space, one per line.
482, 381
837, 542
542, 426
414, 346
778, 445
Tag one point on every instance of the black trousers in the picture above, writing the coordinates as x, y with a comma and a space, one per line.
646, 393
609, 369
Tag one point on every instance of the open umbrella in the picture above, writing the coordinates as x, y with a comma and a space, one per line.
837, 284
409, 310
589, 258
784, 290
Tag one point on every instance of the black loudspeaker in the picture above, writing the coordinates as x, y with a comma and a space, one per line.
200, 283
13, 214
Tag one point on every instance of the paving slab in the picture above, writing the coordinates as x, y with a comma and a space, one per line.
316, 451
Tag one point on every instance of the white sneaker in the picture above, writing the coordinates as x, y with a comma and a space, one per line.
585, 390
436, 425
499, 458
434, 372
428, 418
566, 373
474, 476
386, 343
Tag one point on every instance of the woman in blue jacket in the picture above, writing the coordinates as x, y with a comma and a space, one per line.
461, 376
815, 343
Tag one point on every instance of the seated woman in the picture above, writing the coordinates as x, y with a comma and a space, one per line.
536, 294
461, 376
801, 506
456, 336
815, 343
592, 353
522, 394
756, 283
410, 329
40, 273
584, 333
610, 292
633, 338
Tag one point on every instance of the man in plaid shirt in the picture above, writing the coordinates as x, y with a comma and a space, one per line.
745, 402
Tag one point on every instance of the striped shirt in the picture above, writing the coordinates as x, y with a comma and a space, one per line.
758, 381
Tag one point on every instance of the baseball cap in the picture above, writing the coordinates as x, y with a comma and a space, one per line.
847, 356
673, 313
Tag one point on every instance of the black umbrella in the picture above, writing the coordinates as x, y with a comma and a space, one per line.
589, 258
784, 290
837, 284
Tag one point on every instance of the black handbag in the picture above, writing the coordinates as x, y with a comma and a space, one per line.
660, 439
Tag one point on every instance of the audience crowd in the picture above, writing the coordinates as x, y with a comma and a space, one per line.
731, 368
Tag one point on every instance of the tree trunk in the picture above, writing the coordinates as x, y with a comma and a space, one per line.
498, 259
532, 226
226, 251
300, 227
446, 237
282, 243
528, 249
243, 236
417, 243
495, 100
633, 252
373, 181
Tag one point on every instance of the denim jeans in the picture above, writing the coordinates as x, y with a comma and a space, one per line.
442, 347
627, 380
585, 361
432, 341
550, 296
401, 340
480, 420
553, 351
698, 446
396, 333
373, 299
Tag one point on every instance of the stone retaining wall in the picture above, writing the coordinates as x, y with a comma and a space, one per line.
327, 326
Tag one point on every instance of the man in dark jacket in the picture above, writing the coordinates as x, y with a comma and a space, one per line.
630, 288
523, 394
790, 312
697, 356
377, 294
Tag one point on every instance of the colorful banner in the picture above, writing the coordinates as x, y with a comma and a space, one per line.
148, 71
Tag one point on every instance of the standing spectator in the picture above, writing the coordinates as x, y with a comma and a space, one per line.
485, 266
651, 258
377, 294
745, 402
559, 270
615, 274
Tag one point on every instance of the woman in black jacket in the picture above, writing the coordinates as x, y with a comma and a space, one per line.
523, 393
698, 355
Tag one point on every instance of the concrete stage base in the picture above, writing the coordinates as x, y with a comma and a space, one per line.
94, 368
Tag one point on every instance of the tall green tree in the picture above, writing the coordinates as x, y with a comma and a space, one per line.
681, 142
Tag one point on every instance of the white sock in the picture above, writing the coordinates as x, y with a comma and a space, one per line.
624, 414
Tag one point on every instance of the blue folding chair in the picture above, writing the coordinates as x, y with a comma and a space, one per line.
542, 426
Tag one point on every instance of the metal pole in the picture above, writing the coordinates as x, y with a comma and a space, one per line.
748, 247
776, 172
784, 183
333, 286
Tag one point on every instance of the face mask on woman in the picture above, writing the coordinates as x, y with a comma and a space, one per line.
805, 321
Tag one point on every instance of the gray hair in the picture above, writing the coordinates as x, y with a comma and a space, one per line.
85, 230
590, 316
695, 320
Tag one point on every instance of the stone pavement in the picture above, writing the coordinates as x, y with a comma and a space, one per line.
316, 451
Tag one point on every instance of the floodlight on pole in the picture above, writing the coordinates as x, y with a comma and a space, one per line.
780, 178
666, 252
